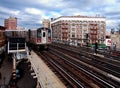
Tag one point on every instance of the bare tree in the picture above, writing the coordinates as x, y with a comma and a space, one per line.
118, 28
112, 31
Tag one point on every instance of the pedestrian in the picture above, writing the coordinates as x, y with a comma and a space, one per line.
96, 47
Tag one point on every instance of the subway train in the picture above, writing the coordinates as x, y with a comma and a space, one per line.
2, 39
40, 37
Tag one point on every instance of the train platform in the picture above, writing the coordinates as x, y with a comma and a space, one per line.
46, 77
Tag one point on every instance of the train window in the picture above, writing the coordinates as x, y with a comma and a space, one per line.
49, 34
43, 34
39, 34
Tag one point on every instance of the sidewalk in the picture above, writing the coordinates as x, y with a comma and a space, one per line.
5, 70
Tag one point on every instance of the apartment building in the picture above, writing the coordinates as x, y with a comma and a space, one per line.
115, 39
80, 29
10, 23
46, 23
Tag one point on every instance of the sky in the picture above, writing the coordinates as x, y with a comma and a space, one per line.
31, 12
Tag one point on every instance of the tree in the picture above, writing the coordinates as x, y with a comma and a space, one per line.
112, 31
118, 28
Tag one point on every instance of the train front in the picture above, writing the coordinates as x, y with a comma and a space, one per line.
43, 36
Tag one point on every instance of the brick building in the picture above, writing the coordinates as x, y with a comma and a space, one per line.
80, 29
2, 39
10, 23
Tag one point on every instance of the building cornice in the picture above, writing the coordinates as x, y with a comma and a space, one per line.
80, 18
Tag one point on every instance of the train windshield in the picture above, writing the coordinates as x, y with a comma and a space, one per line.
49, 35
39, 34
43, 34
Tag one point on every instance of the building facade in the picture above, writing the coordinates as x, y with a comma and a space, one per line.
10, 23
115, 39
46, 23
80, 29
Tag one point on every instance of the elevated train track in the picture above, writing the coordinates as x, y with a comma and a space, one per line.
77, 73
102, 63
113, 54
75, 77
90, 53
101, 73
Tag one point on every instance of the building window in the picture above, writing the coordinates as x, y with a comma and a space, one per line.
73, 29
73, 24
73, 35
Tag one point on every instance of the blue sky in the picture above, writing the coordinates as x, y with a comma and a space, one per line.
31, 12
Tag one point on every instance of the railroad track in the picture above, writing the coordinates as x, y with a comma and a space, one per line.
61, 72
115, 55
109, 66
75, 75
100, 75
90, 55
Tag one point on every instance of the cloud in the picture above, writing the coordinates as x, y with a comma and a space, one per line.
34, 11
110, 2
9, 11
55, 14
30, 12
52, 3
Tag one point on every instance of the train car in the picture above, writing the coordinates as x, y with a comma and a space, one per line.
2, 39
40, 37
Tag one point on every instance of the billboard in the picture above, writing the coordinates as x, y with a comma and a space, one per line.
108, 42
